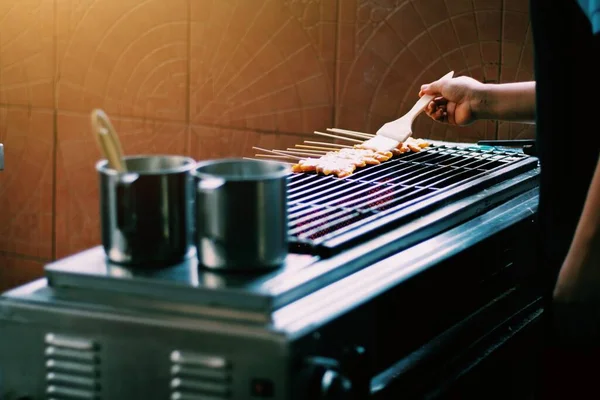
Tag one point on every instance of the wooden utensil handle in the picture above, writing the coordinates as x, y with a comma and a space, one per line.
418, 107
424, 100
108, 140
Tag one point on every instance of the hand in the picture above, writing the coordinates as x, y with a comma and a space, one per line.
456, 100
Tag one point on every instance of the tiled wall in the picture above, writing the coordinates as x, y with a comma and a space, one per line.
211, 78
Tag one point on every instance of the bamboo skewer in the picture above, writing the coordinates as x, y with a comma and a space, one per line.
339, 130
269, 156
338, 137
302, 146
360, 135
343, 146
265, 155
301, 153
278, 153
309, 151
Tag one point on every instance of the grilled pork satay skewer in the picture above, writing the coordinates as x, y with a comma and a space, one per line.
327, 164
343, 162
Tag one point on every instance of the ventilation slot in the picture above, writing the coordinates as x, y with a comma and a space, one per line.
199, 377
72, 368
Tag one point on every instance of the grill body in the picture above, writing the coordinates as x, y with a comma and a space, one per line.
407, 306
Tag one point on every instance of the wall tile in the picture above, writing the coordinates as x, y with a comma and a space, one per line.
431, 11
490, 55
425, 49
27, 52
77, 202
456, 7
427, 128
489, 24
15, 271
477, 72
213, 142
515, 27
490, 52
444, 36
491, 73
456, 61
26, 182
417, 42
406, 22
517, 57
347, 11
511, 130
465, 27
511, 54
128, 57
269, 67
487, 4
516, 5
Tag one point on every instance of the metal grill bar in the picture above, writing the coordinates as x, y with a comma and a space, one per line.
324, 218
328, 191
323, 207
383, 174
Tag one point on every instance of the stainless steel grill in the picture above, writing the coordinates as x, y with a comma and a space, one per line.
425, 292
324, 208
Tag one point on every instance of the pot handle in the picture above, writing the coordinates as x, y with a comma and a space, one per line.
207, 187
126, 202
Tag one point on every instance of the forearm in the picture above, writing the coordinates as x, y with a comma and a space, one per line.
507, 102
583, 258
587, 234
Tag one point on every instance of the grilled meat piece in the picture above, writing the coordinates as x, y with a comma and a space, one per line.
344, 162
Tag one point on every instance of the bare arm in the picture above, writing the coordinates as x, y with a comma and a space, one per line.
507, 102
579, 278
463, 100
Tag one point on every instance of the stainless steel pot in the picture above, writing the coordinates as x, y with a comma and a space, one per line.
241, 214
148, 213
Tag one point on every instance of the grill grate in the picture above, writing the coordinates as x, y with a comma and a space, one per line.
321, 208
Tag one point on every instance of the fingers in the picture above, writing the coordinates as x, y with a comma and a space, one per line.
433, 88
450, 111
436, 103
440, 115
440, 101
437, 109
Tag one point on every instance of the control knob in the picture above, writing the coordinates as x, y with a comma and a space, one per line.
323, 380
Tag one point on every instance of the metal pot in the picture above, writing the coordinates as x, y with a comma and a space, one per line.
241, 211
148, 213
